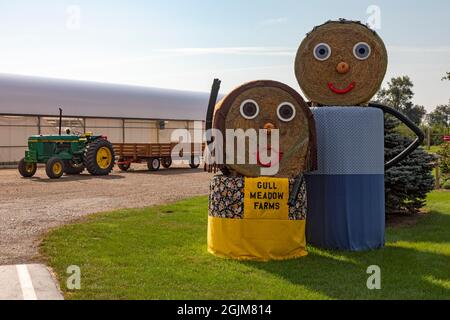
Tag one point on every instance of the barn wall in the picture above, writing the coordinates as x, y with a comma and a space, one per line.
15, 130
168, 134
140, 131
112, 128
50, 125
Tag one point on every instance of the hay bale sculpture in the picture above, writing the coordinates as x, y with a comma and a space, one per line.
255, 217
340, 65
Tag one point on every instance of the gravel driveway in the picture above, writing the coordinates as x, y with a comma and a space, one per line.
29, 207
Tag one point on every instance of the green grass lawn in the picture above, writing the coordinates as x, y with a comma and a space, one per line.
160, 253
433, 149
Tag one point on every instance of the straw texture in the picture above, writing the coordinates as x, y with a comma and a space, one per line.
315, 77
297, 137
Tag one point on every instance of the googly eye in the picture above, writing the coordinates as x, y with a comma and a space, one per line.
322, 51
249, 109
286, 112
362, 51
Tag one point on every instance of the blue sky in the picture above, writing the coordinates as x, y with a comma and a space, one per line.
184, 44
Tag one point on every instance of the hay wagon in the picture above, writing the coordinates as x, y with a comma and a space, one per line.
157, 154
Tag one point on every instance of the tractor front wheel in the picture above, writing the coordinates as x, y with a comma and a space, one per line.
27, 169
153, 164
54, 168
72, 168
99, 157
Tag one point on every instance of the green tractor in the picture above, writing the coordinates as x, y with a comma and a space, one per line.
69, 154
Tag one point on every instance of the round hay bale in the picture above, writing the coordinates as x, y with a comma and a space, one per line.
341, 63
268, 105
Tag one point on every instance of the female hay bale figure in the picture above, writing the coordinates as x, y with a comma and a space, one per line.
251, 216
340, 66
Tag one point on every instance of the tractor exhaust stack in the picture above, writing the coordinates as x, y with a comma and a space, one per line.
60, 121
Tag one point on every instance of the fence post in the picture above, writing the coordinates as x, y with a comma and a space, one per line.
123, 131
39, 125
438, 175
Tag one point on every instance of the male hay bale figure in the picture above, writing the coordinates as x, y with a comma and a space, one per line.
340, 65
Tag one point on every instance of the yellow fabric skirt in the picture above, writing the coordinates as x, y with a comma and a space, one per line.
261, 240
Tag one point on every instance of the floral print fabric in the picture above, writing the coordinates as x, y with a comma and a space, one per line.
226, 199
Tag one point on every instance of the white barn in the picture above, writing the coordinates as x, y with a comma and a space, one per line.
130, 114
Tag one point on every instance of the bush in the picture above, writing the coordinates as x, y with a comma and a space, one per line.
447, 185
408, 183
444, 161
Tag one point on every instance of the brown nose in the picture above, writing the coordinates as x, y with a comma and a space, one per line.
342, 67
269, 127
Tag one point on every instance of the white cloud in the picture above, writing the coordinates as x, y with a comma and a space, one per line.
285, 51
273, 21
422, 49
256, 51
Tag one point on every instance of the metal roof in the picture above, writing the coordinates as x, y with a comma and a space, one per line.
24, 95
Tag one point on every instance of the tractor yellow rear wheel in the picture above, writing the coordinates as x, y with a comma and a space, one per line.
27, 169
54, 168
99, 157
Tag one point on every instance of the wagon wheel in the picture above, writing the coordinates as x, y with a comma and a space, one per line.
27, 169
123, 165
166, 162
153, 164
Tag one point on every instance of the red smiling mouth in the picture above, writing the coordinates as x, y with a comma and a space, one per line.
268, 165
350, 87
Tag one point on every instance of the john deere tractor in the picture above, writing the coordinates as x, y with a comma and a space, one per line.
69, 154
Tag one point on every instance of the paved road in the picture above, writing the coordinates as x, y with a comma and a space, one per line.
30, 207
27, 282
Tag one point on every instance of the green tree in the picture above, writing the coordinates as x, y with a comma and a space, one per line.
444, 154
440, 116
399, 94
409, 182
447, 76
415, 113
